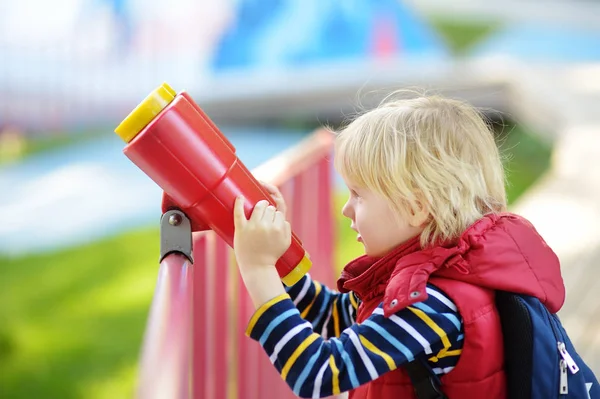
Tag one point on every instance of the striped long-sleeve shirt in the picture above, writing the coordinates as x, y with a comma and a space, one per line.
331, 353
329, 312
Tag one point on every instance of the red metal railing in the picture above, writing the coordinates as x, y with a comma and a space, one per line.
195, 345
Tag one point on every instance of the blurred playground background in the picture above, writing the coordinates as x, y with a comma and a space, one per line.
79, 222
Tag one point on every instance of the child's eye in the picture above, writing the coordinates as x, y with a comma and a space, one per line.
353, 193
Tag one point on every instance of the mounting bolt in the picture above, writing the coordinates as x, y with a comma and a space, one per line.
175, 219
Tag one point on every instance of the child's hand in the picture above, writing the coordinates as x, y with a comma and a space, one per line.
261, 240
277, 197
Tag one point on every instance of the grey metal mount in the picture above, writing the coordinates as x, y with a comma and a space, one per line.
175, 234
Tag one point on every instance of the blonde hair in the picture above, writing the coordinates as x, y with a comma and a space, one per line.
427, 151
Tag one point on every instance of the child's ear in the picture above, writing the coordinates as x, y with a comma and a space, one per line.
419, 214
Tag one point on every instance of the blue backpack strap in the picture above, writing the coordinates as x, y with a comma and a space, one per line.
540, 359
517, 330
426, 383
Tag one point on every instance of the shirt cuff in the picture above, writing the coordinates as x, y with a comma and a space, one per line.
267, 312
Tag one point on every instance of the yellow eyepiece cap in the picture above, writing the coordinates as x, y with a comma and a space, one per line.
298, 272
145, 112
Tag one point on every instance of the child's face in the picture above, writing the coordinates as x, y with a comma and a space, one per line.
379, 227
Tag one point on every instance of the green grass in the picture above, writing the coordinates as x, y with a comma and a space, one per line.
462, 35
527, 158
71, 322
28, 146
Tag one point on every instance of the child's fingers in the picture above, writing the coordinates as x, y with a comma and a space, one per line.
277, 196
239, 217
259, 210
280, 222
278, 218
274, 191
269, 214
271, 189
279, 203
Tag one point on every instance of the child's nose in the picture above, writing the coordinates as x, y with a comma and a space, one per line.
347, 210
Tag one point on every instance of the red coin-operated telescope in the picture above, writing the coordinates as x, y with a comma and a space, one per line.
174, 142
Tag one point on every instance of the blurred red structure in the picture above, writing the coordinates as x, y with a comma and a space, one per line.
194, 345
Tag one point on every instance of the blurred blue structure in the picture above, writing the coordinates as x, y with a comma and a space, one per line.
288, 33
56, 198
123, 20
107, 54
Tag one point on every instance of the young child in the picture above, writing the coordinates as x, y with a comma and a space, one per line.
427, 201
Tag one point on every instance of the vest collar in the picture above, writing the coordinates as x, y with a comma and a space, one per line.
497, 252
368, 276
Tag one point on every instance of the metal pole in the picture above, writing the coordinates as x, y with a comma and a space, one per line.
165, 367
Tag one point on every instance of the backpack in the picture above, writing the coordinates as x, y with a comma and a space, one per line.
540, 360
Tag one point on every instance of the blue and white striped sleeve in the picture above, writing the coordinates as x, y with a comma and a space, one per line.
328, 311
315, 367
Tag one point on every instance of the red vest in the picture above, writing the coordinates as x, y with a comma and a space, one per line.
498, 252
